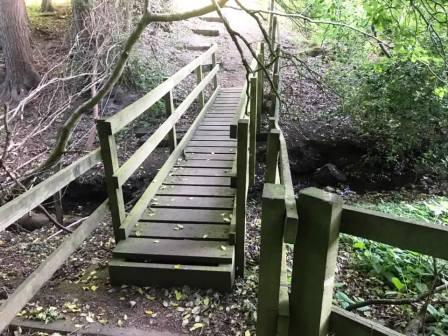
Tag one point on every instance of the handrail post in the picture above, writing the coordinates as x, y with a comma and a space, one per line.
314, 265
260, 88
215, 80
271, 248
272, 156
169, 108
241, 195
200, 78
111, 165
253, 130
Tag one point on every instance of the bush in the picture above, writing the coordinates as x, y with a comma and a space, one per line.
401, 109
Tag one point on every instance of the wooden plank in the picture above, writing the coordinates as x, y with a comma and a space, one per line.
169, 107
29, 288
204, 164
18, 207
200, 172
198, 180
200, 78
188, 231
271, 248
212, 138
217, 119
219, 115
315, 255
198, 276
253, 131
425, 238
174, 251
133, 111
283, 298
197, 191
212, 144
173, 215
152, 189
217, 133
343, 322
185, 202
214, 128
216, 157
211, 150
109, 154
137, 159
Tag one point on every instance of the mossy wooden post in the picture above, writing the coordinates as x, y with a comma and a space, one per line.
253, 131
271, 247
260, 89
111, 165
314, 266
241, 195
272, 155
215, 79
200, 78
169, 107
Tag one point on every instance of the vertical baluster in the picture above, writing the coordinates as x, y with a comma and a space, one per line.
169, 107
253, 130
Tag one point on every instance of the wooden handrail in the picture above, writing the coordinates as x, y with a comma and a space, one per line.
135, 161
121, 119
18, 207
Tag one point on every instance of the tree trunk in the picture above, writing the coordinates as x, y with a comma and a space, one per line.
15, 39
46, 6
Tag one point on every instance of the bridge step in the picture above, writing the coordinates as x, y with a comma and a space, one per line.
207, 32
219, 277
183, 236
215, 19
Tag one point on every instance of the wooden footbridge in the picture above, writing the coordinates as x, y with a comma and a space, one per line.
189, 225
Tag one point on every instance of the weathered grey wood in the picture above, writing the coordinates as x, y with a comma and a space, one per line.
204, 164
253, 110
173, 215
211, 150
214, 128
240, 111
188, 231
283, 300
215, 123
152, 189
213, 115
45, 271
272, 156
221, 120
314, 266
215, 80
136, 160
260, 88
212, 138
241, 197
133, 111
198, 180
345, 323
292, 217
229, 143
217, 157
18, 207
201, 172
200, 78
425, 238
211, 133
174, 251
271, 247
187, 202
197, 191
109, 155
169, 106
198, 276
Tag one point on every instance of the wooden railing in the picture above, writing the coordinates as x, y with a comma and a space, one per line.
117, 175
313, 223
20, 206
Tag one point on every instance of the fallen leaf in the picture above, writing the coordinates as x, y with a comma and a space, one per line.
197, 326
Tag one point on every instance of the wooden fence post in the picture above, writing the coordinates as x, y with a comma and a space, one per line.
272, 155
169, 107
200, 77
314, 266
241, 196
215, 80
253, 130
111, 165
260, 89
271, 247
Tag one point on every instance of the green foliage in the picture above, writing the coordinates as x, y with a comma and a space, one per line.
404, 271
141, 74
401, 109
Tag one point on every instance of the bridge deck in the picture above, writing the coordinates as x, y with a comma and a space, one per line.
183, 236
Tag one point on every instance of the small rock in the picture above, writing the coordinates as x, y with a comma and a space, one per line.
3, 294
